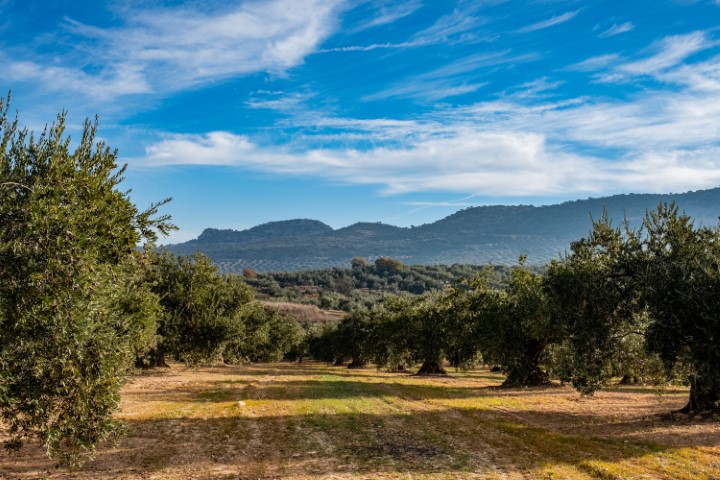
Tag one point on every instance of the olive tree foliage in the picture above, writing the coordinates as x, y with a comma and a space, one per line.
412, 330
386, 265
203, 310
461, 346
431, 331
515, 326
392, 334
351, 337
632, 363
321, 342
74, 309
266, 336
593, 300
660, 282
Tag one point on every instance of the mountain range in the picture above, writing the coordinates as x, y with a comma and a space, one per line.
496, 234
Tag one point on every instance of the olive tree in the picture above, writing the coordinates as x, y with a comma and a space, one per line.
266, 335
593, 300
393, 333
660, 282
72, 313
416, 330
515, 326
462, 344
203, 310
321, 340
679, 284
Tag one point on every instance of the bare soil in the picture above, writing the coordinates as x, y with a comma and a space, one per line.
313, 421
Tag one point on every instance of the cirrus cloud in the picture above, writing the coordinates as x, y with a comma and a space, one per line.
166, 50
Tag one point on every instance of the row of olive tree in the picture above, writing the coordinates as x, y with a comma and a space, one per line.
509, 327
622, 302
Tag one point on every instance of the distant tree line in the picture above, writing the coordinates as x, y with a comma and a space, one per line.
364, 283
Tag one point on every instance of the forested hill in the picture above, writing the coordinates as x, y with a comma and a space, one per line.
477, 235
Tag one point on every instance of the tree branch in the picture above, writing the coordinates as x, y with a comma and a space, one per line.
15, 184
627, 334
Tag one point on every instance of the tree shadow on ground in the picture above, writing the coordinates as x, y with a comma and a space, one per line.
249, 444
286, 369
325, 384
317, 389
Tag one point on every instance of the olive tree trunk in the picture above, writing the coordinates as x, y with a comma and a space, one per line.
431, 367
527, 371
704, 395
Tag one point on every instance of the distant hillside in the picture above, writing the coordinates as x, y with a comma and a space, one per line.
477, 235
305, 314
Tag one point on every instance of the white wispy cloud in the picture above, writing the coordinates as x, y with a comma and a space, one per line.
671, 51
698, 76
659, 121
119, 80
458, 26
617, 29
426, 92
468, 161
477, 61
551, 22
536, 89
498, 162
279, 101
451, 79
373, 46
666, 139
672, 170
163, 50
595, 63
421, 206
389, 13
668, 63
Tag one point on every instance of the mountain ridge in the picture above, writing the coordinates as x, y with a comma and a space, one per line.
478, 235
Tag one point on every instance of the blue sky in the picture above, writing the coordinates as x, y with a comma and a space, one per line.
398, 111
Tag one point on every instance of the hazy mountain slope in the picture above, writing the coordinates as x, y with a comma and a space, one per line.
489, 234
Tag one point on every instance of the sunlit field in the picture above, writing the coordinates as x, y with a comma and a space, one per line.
313, 421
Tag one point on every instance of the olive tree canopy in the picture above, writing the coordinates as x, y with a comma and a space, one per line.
72, 311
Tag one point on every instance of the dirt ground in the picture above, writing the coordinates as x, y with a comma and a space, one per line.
313, 421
